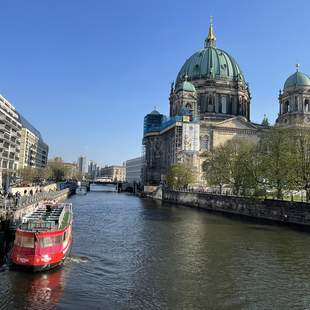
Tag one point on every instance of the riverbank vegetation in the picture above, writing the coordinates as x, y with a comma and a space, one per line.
179, 176
56, 170
277, 165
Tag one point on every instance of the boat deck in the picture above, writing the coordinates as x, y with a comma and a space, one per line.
47, 217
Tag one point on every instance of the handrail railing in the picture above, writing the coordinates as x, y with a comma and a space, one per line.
24, 201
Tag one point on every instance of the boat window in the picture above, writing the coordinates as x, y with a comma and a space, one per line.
46, 242
27, 242
50, 241
58, 239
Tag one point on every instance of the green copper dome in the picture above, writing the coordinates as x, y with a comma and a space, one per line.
210, 63
185, 86
297, 79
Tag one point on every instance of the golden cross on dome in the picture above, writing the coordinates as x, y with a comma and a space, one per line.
210, 40
297, 67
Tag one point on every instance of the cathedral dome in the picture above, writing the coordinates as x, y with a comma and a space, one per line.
210, 63
297, 79
185, 86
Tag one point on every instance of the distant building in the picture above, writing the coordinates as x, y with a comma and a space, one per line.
92, 169
10, 136
33, 150
115, 173
72, 170
82, 165
133, 170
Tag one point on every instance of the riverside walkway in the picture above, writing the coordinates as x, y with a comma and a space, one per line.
11, 209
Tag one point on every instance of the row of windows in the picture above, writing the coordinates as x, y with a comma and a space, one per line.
293, 106
28, 242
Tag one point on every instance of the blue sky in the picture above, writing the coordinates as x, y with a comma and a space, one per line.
85, 72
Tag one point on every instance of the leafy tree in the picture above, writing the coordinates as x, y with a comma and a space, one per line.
27, 174
179, 176
57, 169
300, 163
276, 160
216, 166
232, 164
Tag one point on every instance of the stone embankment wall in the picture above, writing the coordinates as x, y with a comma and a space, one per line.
274, 210
26, 189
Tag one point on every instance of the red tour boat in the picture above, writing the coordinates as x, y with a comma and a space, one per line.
43, 240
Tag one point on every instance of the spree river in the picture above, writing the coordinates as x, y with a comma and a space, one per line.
130, 253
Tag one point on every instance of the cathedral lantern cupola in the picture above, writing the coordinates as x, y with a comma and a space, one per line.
294, 101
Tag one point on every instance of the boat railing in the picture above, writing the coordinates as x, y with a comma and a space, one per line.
15, 204
67, 208
38, 225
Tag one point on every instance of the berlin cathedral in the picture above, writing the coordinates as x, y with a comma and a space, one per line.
210, 104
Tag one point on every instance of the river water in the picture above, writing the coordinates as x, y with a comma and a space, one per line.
130, 253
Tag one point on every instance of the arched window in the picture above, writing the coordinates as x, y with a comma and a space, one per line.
189, 107
286, 106
210, 104
306, 105
220, 103
203, 103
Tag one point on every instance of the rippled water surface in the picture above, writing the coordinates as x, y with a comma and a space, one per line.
130, 253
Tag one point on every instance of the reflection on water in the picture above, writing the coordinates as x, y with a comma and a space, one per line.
35, 291
136, 254
45, 290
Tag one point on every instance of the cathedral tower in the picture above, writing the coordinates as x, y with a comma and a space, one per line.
294, 101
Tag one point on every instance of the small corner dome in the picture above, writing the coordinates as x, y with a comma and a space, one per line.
297, 79
155, 112
185, 86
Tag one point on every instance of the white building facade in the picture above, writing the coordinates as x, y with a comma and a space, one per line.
33, 150
10, 139
134, 170
116, 173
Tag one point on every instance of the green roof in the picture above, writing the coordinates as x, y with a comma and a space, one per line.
210, 63
297, 79
155, 112
185, 86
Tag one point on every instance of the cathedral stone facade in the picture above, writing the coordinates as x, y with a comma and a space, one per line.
210, 105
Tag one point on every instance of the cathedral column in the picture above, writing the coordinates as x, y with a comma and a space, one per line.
281, 107
224, 104
217, 108
300, 103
